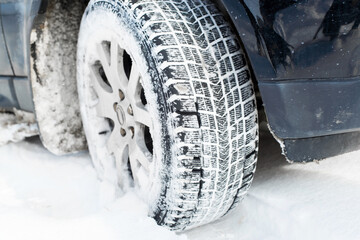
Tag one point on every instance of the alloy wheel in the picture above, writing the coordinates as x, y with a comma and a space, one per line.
117, 81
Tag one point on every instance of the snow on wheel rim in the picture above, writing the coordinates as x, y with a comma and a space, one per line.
116, 81
115, 84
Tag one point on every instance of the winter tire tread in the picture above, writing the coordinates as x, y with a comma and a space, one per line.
211, 106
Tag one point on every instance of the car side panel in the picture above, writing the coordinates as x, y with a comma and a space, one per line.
5, 67
7, 92
14, 18
8, 99
317, 148
305, 109
305, 56
291, 39
17, 19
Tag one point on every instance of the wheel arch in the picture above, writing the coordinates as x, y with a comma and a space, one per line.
284, 84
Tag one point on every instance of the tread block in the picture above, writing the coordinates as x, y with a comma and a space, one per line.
196, 71
243, 77
246, 92
191, 150
190, 137
176, 72
170, 55
186, 121
151, 17
249, 107
158, 27
164, 40
183, 105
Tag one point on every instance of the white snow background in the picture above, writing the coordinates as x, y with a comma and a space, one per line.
43, 196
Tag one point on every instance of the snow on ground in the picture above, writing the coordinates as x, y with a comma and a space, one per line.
47, 197
295, 201
15, 126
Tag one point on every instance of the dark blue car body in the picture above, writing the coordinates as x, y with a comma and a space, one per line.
16, 22
304, 56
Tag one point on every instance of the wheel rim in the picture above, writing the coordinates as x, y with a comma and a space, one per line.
116, 80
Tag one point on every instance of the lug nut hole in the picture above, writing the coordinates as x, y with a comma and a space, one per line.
130, 110
123, 132
132, 131
121, 95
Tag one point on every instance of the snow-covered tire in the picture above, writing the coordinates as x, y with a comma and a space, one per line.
53, 77
199, 105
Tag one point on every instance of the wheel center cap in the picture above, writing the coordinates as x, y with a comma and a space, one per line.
120, 114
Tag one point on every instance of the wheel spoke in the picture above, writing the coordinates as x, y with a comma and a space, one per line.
142, 177
139, 154
110, 61
122, 76
134, 87
122, 154
100, 91
134, 165
141, 115
116, 54
104, 58
104, 107
105, 110
114, 141
99, 86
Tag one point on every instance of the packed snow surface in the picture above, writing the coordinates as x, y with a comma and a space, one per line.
47, 197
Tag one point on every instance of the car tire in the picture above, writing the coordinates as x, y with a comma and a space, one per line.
168, 106
53, 77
